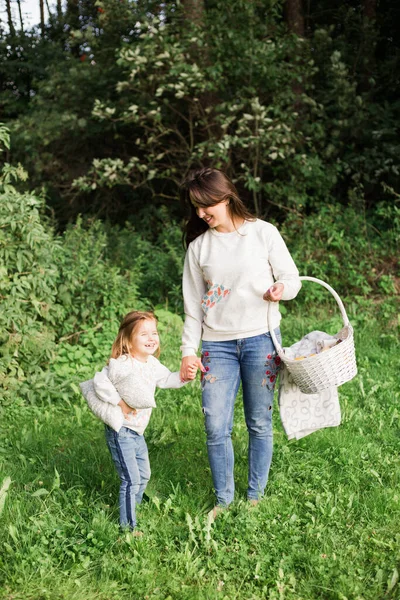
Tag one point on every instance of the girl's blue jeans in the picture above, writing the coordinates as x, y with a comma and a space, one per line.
131, 458
252, 361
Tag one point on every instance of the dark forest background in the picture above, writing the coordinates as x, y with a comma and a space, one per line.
110, 103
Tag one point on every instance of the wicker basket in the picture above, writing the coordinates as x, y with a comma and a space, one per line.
330, 368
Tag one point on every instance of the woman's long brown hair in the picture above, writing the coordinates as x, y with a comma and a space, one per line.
208, 187
129, 324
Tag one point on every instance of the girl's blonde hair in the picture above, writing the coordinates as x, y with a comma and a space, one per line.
127, 329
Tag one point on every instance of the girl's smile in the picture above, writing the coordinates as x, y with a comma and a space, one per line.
145, 341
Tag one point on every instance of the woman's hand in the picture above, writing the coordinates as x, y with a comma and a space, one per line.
189, 366
127, 411
274, 294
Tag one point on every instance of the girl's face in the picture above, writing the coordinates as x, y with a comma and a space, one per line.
145, 340
217, 216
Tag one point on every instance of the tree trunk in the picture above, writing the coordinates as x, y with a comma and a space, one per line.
72, 18
51, 20
20, 16
369, 9
41, 6
59, 10
369, 44
294, 16
9, 18
194, 11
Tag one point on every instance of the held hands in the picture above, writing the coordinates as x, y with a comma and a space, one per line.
189, 367
274, 294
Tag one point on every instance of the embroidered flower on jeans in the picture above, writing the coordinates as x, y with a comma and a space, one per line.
272, 364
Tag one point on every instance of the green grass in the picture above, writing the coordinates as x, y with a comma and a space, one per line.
328, 527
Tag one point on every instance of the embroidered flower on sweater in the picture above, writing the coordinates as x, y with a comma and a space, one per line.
216, 292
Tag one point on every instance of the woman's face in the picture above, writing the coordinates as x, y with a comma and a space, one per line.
217, 216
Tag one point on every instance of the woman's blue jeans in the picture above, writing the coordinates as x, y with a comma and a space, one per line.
131, 458
252, 361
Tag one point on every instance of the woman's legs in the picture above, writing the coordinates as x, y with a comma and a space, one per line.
258, 366
130, 456
220, 384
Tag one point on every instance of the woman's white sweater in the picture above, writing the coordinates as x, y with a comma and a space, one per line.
225, 276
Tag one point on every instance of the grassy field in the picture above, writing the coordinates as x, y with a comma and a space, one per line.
328, 527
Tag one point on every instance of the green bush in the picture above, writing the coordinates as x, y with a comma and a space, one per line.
91, 289
53, 288
28, 291
342, 247
157, 257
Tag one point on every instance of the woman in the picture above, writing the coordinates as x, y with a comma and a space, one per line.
235, 265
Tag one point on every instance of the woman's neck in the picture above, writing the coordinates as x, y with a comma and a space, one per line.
231, 225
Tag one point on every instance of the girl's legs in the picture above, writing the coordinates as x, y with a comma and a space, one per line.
129, 453
258, 366
220, 384
143, 463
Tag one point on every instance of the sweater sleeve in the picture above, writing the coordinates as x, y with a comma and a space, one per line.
194, 288
165, 378
283, 266
110, 415
104, 388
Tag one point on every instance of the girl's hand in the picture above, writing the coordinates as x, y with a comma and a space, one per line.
189, 366
127, 411
275, 292
192, 370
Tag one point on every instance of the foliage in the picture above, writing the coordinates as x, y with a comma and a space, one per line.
28, 288
142, 95
339, 245
91, 290
155, 255
51, 287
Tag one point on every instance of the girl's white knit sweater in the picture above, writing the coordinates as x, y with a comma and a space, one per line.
148, 376
225, 276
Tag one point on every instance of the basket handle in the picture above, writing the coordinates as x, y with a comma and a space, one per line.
277, 345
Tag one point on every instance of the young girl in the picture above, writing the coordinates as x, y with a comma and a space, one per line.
136, 344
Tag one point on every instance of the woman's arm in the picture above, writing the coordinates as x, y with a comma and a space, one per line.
194, 288
286, 275
274, 293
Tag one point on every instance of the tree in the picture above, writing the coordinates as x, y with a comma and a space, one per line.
120, 99
42, 24
20, 16
294, 16
194, 11
10, 19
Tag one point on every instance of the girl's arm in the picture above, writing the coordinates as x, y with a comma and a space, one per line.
104, 388
106, 392
165, 378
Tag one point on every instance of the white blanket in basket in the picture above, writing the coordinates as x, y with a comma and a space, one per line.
302, 414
